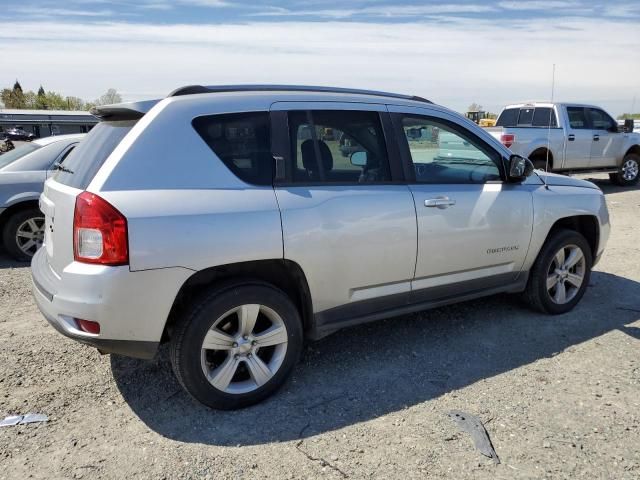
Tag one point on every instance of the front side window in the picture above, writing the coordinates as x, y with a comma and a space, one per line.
331, 146
242, 141
600, 120
577, 118
444, 153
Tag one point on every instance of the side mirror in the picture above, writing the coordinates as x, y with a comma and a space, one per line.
519, 168
359, 159
629, 124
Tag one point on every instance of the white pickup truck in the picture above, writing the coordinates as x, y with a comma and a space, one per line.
570, 138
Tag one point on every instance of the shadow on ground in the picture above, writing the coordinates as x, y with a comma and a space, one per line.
368, 371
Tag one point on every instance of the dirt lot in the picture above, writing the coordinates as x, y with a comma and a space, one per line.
560, 396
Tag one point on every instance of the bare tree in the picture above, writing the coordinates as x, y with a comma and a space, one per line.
111, 96
475, 107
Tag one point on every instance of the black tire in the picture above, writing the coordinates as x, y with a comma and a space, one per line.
536, 293
619, 177
9, 239
191, 329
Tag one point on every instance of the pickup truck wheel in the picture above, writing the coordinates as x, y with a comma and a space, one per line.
561, 273
629, 171
237, 345
23, 234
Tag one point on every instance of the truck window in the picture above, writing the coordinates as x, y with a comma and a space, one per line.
577, 118
601, 120
544, 117
508, 117
525, 117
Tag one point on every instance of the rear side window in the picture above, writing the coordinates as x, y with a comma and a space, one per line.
544, 117
577, 118
242, 141
85, 160
508, 117
41, 159
18, 152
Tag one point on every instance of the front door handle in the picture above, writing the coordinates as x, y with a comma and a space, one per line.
596, 138
439, 202
572, 137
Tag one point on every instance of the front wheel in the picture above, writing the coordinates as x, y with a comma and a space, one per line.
629, 171
237, 346
561, 273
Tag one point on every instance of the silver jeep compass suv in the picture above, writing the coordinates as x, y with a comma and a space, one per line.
229, 222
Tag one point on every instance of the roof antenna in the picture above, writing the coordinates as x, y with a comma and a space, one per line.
551, 113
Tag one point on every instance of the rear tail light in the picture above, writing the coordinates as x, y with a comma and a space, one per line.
507, 139
99, 232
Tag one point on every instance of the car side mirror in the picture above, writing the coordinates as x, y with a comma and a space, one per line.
519, 168
359, 159
629, 124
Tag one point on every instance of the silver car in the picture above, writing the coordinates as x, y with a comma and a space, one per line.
23, 172
225, 221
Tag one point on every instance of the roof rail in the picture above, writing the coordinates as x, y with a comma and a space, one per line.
193, 89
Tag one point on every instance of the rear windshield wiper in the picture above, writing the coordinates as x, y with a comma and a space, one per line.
62, 168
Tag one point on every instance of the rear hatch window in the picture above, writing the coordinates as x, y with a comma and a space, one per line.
85, 160
19, 152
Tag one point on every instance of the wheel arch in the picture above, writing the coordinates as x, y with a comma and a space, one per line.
283, 274
540, 153
635, 149
586, 225
20, 206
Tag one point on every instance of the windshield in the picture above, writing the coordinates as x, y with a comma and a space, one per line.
18, 152
85, 160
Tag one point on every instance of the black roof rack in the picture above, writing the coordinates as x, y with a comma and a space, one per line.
193, 89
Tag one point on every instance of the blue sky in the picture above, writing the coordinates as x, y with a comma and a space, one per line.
454, 52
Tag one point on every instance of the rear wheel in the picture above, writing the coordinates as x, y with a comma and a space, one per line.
629, 171
561, 273
23, 234
237, 346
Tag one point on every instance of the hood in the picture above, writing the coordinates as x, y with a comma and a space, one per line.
556, 180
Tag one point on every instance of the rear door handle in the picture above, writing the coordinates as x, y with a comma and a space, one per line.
571, 137
439, 202
596, 138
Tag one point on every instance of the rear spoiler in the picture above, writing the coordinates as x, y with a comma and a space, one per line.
123, 111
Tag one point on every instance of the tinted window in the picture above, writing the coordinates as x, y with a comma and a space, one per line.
242, 141
86, 159
443, 153
526, 116
577, 119
41, 159
601, 120
18, 152
544, 117
333, 146
508, 117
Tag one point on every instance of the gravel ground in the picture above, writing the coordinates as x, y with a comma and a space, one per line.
560, 396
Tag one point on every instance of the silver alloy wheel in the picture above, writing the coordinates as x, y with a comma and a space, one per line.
630, 169
30, 235
244, 348
566, 274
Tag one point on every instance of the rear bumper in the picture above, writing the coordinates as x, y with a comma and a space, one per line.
131, 307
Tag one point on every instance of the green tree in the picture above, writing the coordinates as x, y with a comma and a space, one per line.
41, 100
75, 103
13, 98
55, 101
624, 116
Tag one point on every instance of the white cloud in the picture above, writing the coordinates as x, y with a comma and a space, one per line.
539, 4
453, 63
389, 11
43, 12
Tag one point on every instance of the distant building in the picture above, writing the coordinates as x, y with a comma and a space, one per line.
44, 123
